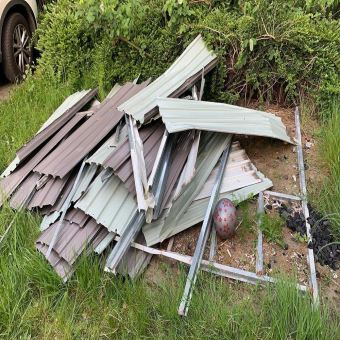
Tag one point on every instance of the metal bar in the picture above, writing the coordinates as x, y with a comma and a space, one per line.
213, 244
66, 205
216, 268
158, 159
128, 236
313, 284
138, 162
259, 247
163, 173
281, 195
204, 234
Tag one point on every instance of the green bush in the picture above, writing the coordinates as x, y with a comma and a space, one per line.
276, 51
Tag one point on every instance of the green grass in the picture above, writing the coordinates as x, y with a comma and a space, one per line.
36, 304
327, 198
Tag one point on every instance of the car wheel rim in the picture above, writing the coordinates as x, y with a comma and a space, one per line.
21, 47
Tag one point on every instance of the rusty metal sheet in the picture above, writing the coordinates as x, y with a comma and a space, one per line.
89, 135
11, 182
51, 129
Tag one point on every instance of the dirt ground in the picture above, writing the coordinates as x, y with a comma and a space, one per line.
5, 87
277, 161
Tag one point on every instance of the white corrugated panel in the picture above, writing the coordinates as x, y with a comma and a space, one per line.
109, 203
195, 57
196, 211
181, 115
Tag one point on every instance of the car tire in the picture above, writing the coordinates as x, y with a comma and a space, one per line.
16, 50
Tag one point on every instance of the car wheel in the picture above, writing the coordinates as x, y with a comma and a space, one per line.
16, 49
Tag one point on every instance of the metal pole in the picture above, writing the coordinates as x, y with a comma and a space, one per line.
203, 237
67, 203
259, 247
163, 173
128, 236
313, 284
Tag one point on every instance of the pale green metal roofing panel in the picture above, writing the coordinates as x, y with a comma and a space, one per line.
68, 103
109, 203
197, 209
195, 57
114, 90
181, 114
106, 149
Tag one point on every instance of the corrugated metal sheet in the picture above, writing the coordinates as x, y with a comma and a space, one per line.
11, 167
180, 155
77, 233
134, 261
210, 150
239, 173
23, 192
120, 159
104, 151
189, 168
67, 104
54, 126
71, 239
114, 90
181, 115
49, 193
59, 204
173, 82
11, 182
195, 213
86, 178
109, 203
89, 135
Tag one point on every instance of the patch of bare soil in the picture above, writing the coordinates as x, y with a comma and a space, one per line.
4, 89
278, 161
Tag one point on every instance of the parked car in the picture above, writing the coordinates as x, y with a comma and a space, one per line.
18, 21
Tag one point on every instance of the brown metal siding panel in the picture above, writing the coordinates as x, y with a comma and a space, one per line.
23, 192
120, 160
11, 182
87, 137
72, 239
46, 134
49, 193
120, 154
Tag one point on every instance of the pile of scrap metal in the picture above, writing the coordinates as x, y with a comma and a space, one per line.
136, 169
